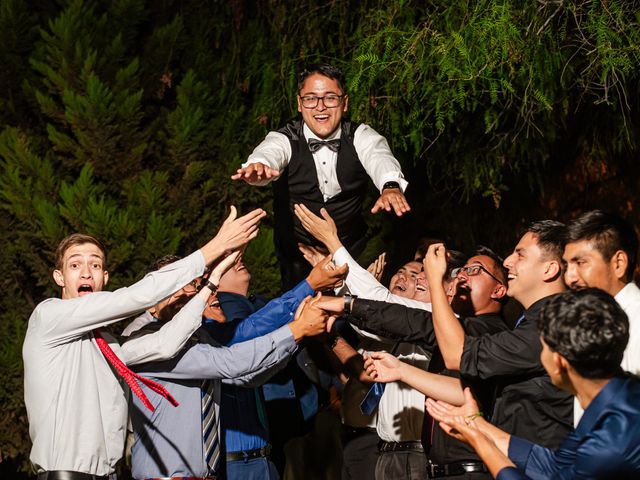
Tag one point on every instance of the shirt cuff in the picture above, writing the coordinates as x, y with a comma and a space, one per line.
341, 256
519, 451
284, 337
197, 259
303, 289
394, 177
510, 473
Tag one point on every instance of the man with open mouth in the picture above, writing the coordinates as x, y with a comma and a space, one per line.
76, 404
321, 159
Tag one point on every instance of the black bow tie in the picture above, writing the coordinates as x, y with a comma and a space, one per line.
315, 145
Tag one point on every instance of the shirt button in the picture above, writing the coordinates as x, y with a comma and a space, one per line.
324, 163
326, 181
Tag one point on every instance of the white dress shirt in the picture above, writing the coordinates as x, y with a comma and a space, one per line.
372, 149
401, 410
364, 285
629, 299
76, 405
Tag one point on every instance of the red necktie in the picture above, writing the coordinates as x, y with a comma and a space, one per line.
130, 377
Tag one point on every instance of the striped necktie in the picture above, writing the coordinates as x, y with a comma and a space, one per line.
210, 423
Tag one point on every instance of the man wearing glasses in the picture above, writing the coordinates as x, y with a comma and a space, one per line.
320, 159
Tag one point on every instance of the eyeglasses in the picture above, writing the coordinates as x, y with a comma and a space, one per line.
330, 100
473, 270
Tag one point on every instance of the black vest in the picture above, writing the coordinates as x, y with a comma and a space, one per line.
299, 184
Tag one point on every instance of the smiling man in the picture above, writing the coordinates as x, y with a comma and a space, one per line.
601, 252
321, 159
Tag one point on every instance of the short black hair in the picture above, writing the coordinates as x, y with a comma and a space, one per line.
608, 233
589, 329
551, 238
455, 259
502, 271
324, 69
162, 262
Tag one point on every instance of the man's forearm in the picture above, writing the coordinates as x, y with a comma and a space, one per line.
438, 387
394, 321
351, 360
448, 330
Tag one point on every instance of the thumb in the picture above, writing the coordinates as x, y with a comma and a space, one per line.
232, 215
325, 215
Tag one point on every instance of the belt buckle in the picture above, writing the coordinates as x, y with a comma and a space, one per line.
436, 471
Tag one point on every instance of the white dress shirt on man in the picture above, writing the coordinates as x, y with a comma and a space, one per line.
372, 149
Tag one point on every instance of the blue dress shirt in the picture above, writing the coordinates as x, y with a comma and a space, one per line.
605, 444
242, 409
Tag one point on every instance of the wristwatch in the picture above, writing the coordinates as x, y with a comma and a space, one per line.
348, 300
390, 185
211, 286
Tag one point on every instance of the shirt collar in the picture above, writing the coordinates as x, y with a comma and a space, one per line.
309, 134
599, 403
628, 297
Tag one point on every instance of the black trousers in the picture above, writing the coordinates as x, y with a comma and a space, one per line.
359, 454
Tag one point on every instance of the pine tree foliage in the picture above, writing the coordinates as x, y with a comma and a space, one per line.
125, 119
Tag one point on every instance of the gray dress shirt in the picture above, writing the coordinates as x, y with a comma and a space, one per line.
168, 442
76, 406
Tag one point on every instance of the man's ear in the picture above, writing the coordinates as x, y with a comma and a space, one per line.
58, 278
499, 292
620, 263
346, 102
560, 363
299, 104
106, 277
552, 270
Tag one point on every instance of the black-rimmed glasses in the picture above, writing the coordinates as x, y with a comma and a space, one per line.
473, 270
330, 100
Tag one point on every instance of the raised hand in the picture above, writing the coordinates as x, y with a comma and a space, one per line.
326, 275
435, 263
392, 198
311, 254
383, 367
234, 233
324, 229
224, 265
377, 266
255, 173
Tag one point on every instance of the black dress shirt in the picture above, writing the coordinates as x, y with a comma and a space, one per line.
413, 325
528, 404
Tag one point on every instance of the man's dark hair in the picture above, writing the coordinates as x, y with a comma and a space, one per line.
589, 329
455, 259
162, 262
323, 69
551, 237
501, 270
608, 234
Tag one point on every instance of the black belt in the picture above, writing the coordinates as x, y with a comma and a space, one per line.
455, 468
399, 446
67, 475
249, 454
